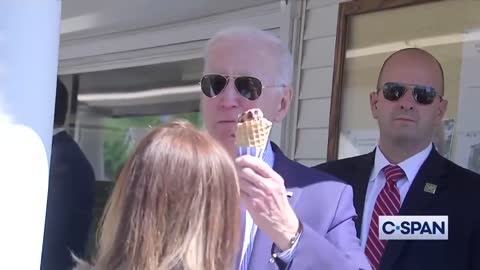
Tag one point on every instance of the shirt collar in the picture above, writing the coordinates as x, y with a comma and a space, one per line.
58, 130
410, 166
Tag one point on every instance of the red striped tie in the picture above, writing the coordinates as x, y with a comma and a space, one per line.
387, 204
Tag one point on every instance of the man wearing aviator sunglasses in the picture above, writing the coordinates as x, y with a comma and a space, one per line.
248, 87
422, 94
405, 175
294, 217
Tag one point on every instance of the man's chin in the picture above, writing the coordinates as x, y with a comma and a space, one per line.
405, 136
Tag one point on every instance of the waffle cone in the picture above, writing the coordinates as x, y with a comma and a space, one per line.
253, 133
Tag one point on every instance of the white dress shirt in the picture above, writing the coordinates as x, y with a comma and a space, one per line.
58, 130
377, 180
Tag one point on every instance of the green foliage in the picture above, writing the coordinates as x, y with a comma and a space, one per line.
116, 134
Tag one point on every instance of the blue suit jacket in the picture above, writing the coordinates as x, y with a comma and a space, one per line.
71, 194
324, 205
457, 193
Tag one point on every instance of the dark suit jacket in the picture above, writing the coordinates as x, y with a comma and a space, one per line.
70, 202
324, 205
457, 195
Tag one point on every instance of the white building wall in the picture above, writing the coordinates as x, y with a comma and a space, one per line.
309, 138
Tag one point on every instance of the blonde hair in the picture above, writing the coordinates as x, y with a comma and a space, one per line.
175, 205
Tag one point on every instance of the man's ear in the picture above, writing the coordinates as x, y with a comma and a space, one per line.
284, 104
373, 104
442, 108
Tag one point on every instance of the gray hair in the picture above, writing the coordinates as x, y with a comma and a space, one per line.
264, 37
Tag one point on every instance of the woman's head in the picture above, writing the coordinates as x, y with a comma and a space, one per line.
175, 205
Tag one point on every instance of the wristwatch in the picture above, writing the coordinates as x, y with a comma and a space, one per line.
291, 243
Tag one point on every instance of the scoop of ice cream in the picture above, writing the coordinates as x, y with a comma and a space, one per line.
252, 114
252, 129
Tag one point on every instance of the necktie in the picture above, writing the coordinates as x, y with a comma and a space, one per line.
386, 204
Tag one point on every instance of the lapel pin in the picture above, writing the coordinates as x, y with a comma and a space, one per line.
289, 194
430, 188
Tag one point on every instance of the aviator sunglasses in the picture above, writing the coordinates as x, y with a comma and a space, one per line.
248, 87
422, 94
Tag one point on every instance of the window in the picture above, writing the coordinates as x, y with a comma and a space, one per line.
449, 30
123, 133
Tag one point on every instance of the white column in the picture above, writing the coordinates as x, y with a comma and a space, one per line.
29, 41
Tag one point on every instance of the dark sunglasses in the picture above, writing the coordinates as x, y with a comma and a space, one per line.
422, 94
248, 87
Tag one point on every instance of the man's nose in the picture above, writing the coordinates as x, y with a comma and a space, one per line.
229, 98
407, 102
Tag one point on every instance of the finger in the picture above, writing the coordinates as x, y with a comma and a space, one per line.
248, 175
271, 197
244, 196
270, 192
254, 205
250, 189
258, 166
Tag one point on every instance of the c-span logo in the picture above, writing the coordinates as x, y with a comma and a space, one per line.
413, 228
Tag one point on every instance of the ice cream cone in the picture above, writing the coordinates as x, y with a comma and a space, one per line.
252, 133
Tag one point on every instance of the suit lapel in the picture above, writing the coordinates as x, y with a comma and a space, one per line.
418, 201
262, 244
363, 169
